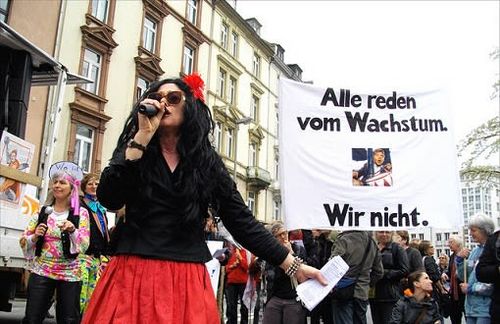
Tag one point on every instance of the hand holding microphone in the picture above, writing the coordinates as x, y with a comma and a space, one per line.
148, 110
41, 229
172, 97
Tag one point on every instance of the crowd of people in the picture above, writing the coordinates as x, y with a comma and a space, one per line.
175, 188
399, 280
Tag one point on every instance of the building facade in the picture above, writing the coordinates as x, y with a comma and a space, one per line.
123, 46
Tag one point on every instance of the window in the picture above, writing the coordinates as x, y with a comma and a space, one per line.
83, 147
438, 237
4, 10
234, 44
229, 142
421, 236
221, 83
254, 108
252, 155
217, 136
251, 201
256, 65
100, 9
192, 8
142, 86
188, 60
446, 236
276, 168
91, 69
276, 210
223, 35
149, 35
232, 91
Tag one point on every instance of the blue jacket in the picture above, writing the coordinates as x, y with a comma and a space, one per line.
478, 298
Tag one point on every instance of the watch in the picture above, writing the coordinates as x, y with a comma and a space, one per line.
133, 144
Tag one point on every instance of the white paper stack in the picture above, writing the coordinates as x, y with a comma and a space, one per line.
312, 292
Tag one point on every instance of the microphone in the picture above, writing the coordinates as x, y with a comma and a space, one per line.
48, 210
43, 217
148, 110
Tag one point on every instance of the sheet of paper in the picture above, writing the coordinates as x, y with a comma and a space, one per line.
311, 292
219, 253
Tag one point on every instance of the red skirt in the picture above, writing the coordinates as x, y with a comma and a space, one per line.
139, 290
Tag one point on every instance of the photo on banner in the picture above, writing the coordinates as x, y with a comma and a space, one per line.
376, 167
361, 159
18, 154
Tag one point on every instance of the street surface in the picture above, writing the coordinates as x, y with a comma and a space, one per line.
19, 304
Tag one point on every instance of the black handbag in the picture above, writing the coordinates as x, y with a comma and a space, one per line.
347, 292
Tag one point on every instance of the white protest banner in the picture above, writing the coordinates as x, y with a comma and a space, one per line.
352, 158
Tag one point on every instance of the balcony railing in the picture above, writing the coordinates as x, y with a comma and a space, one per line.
258, 177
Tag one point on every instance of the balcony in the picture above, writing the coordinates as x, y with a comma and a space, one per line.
258, 177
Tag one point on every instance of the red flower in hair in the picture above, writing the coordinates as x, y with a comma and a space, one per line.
196, 84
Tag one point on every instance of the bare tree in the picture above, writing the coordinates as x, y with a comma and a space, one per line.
481, 144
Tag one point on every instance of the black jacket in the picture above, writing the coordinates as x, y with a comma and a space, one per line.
407, 310
395, 262
488, 270
278, 283
414, 259
99, 242
154, 226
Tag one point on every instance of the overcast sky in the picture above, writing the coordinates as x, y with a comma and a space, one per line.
400, 45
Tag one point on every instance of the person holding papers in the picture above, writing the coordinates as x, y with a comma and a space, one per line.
282, 305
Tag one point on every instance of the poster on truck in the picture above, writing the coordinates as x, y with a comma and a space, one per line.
18, 154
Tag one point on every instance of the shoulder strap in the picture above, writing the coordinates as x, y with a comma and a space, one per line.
394, 248
421, 315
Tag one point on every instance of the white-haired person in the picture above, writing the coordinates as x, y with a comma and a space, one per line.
455, 243
477, 294
52, 241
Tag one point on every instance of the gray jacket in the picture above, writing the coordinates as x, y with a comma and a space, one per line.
351, 246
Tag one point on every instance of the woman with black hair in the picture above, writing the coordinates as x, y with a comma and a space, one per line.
419, 308
165, 170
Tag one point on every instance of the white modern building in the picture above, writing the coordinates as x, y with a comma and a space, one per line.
475, 199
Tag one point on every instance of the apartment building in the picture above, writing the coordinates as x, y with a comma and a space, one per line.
123, 46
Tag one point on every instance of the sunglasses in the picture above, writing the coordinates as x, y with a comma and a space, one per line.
172, 97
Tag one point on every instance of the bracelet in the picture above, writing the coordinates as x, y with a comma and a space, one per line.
292, 268
133, 144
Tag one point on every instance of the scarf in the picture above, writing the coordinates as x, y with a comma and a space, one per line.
98, 209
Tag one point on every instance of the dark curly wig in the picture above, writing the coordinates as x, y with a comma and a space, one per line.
201, 171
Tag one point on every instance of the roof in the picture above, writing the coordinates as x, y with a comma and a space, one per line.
45, 68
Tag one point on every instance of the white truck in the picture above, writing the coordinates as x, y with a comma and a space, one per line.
24, 65
12, 262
